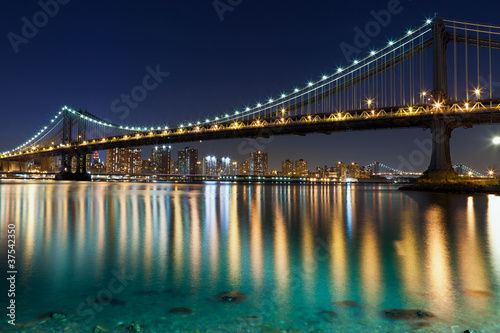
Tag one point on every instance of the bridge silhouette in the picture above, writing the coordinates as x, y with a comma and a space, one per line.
404, 84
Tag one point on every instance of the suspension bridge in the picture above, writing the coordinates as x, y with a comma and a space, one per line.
437, 76
381, 169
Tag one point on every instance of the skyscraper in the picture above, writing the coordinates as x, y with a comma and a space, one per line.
124, 160
95, 158
301, 168
160, 159
244, 169
354, 170
188, 161
258, 163
287, 168
340, 170
210, 165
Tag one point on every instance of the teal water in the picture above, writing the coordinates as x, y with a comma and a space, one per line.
297, 252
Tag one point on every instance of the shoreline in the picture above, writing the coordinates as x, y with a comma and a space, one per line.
452, 187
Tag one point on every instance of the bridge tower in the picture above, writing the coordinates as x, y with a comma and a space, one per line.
69, 121
440, 165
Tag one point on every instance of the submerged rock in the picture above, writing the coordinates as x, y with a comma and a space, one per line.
181, 310
231, 297
408, 314
134, 328
99, 329
52, 315
328, 316
347, 304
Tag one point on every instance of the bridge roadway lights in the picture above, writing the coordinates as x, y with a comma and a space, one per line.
440, 167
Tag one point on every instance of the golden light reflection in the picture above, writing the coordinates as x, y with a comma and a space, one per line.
407, 250
308, 256
122, 200
178, 241
102, 237
338, 248
256, 240
163, 239
214, 233
281, 256
234, 242
147, 238
371, 265
471, 264
439, 280
195, 241
29, 223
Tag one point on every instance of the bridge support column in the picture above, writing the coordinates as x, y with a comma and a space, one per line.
440, 167
81, 170
84, 163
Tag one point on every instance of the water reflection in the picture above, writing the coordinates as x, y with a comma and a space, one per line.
304, 245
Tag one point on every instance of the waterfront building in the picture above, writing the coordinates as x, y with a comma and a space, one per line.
160, 159
188, 161
244, 169
353, 170
340, 170
210, 166
147, 165
287, 168
301, 168
124, 160
233, 168
258, 163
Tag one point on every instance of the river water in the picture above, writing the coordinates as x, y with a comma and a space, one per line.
249, 258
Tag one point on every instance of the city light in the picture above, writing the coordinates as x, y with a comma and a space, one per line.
496, 140
477, 91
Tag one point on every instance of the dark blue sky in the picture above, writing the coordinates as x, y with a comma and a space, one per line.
91, 52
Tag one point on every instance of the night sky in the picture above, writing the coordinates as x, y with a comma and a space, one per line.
91, 52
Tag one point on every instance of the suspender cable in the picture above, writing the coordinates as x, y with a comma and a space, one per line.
478, 69
466, 65
455, 65
490, 78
